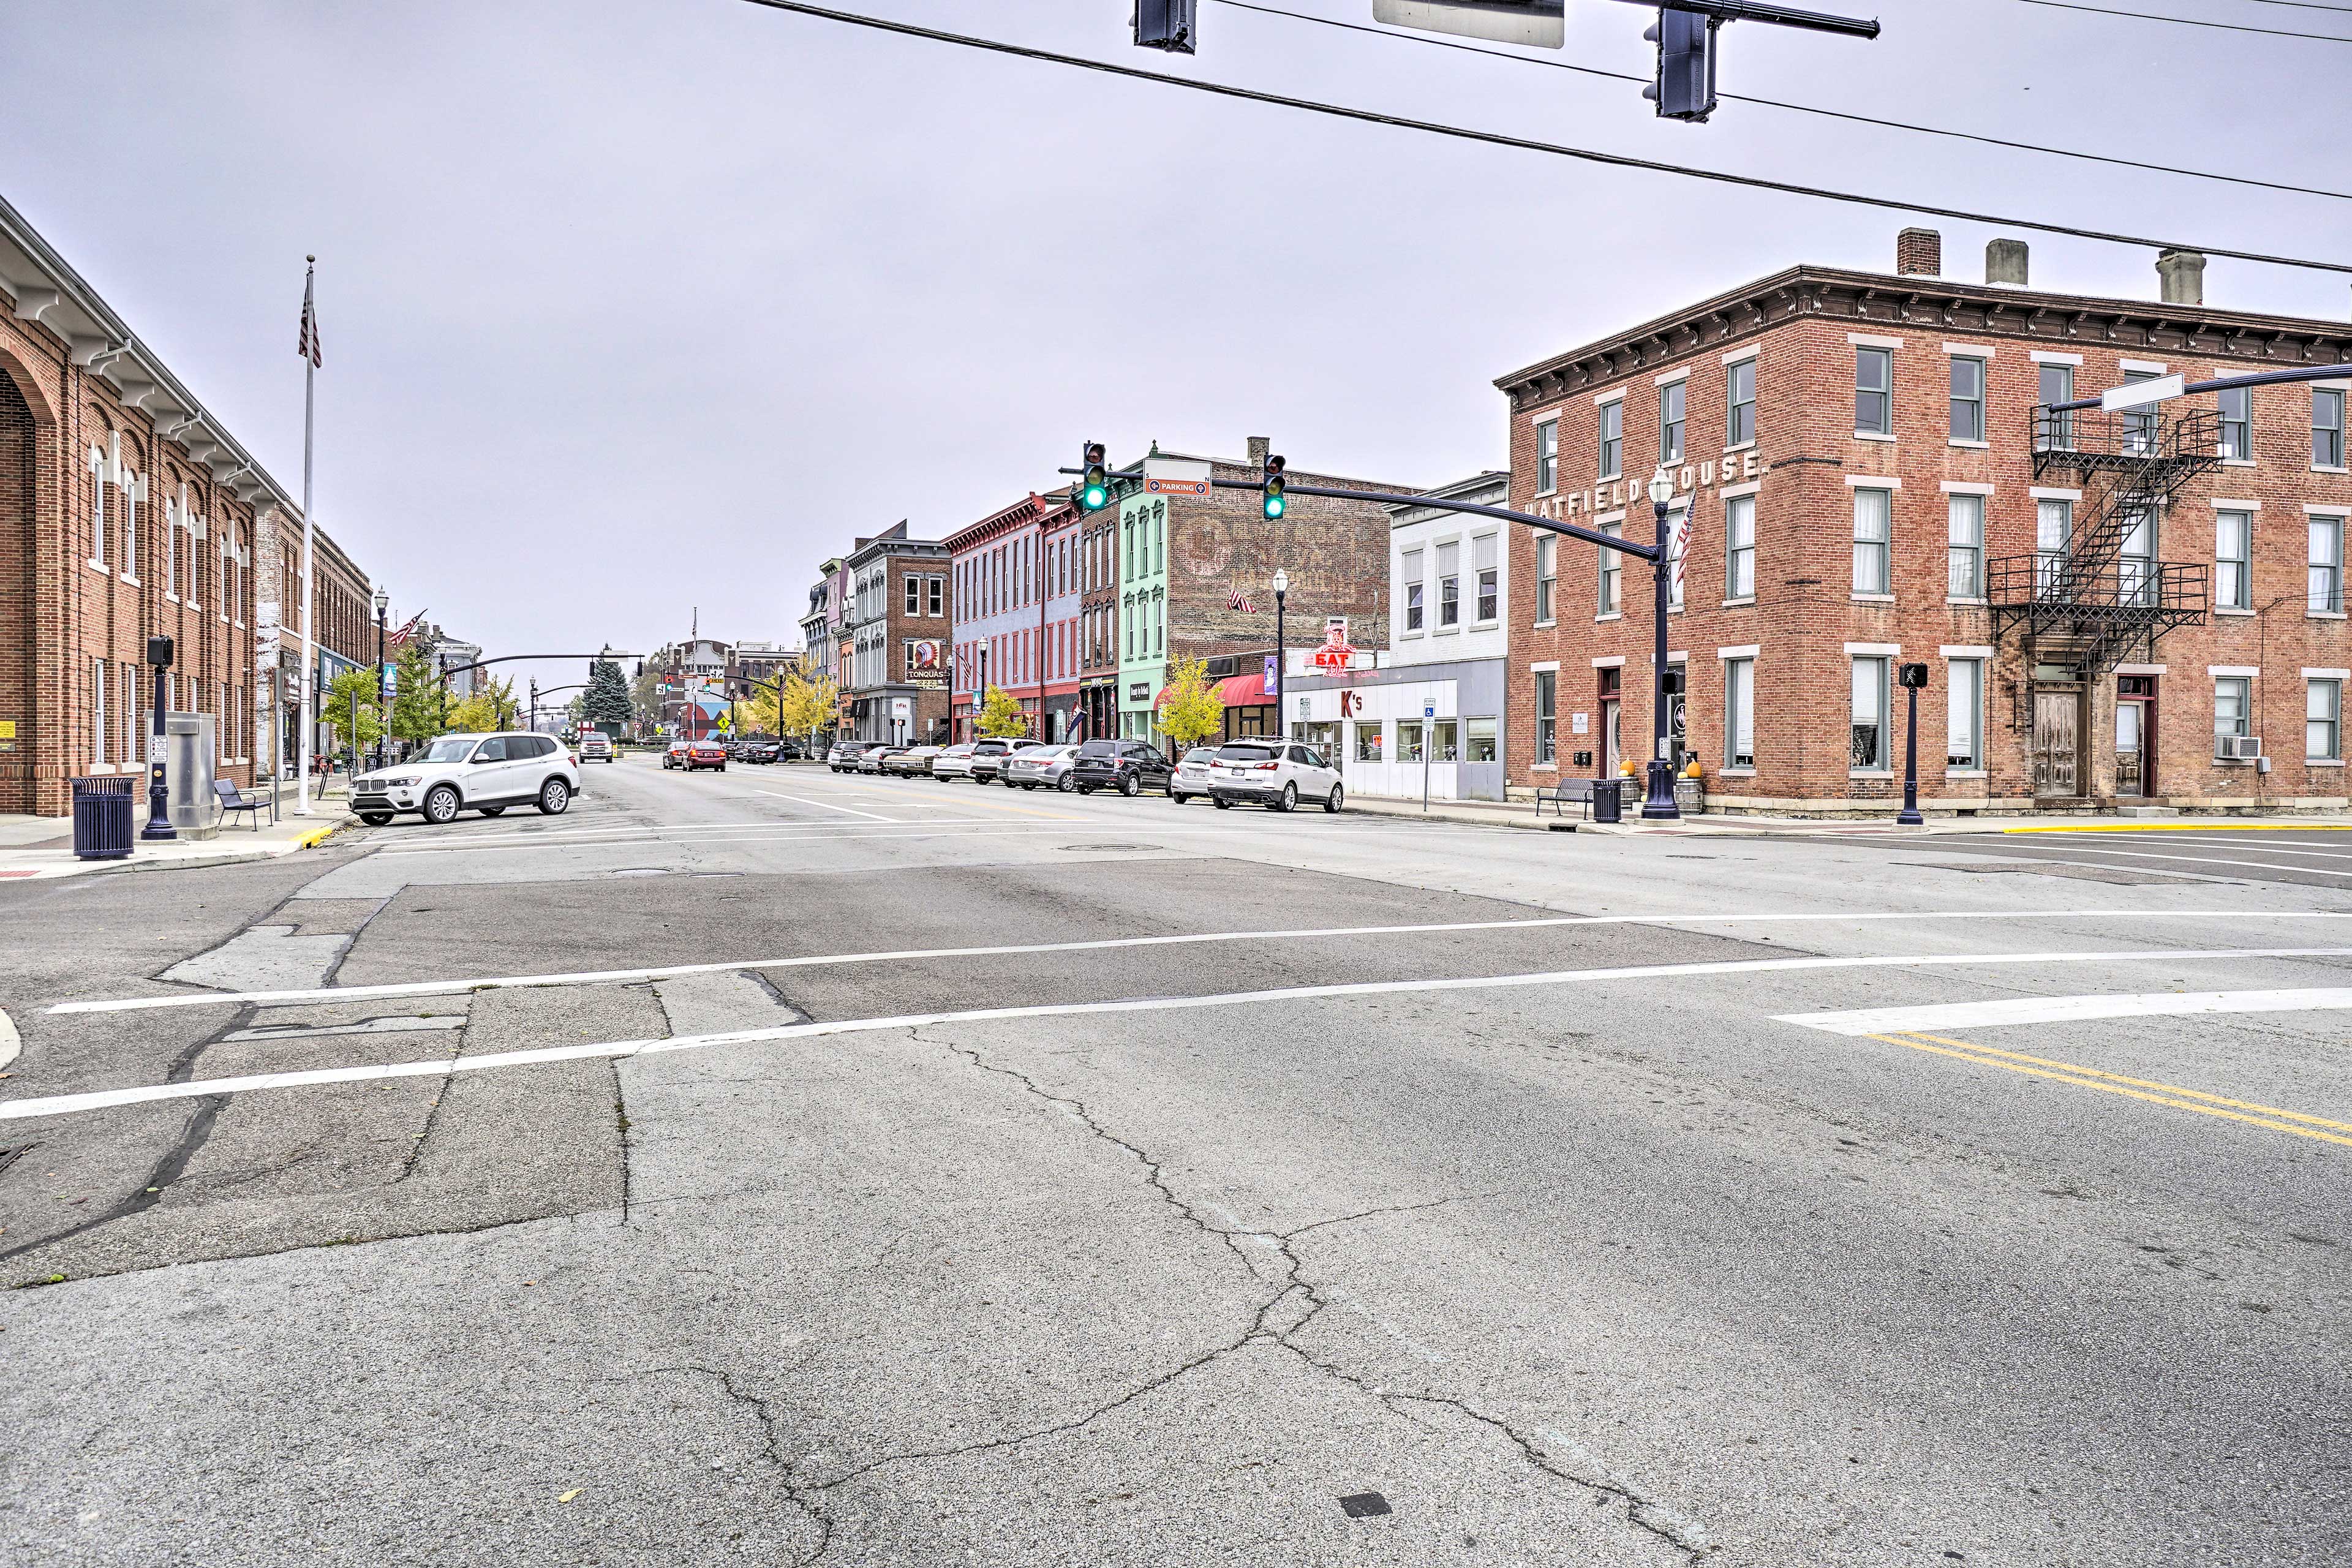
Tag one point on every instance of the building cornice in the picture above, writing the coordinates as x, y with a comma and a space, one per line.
1929, 304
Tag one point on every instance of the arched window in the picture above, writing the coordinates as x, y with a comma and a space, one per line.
97, 506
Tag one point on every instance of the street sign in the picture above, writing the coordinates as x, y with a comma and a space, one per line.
1530, 24
1429, 710
2135, 394
901, 708
1175, 477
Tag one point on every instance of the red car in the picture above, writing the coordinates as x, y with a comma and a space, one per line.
705, 754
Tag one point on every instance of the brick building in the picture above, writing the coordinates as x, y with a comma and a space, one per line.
126, 511
896, 634
2113, 608
1015, 576
344, 634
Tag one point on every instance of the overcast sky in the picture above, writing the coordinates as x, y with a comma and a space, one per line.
632, 306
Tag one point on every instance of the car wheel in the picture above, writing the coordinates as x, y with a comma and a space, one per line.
1289, 800
493, 811
1085, 789
1068, 784
441, 805
1337, 798
553, 796
1029, 786
1178, 799
1221, 802
376, 819
1011, 785
1130, 786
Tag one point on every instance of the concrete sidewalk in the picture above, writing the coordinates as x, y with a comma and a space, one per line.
41, 848
1523, 814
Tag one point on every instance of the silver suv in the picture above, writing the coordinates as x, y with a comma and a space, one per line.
471, 773
1272, 773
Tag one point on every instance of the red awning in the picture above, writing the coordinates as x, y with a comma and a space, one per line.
1243, 691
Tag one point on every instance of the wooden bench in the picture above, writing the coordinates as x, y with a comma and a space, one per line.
234, 800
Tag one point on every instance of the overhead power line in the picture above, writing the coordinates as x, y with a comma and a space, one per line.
1794, 107
2306, 5
2189, 21
1527, 145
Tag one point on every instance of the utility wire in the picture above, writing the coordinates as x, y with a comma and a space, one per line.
2190, 22
1527, 145
2306, 5
1797, 108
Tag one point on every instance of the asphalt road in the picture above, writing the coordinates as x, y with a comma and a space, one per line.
774, 1166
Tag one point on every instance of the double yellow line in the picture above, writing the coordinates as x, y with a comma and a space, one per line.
2169, 1094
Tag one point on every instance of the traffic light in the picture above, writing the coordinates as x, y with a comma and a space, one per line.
1685, 88
1274, 485
1094, 490
1165, 24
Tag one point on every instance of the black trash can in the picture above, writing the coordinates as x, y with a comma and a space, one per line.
1608, 802
101, 812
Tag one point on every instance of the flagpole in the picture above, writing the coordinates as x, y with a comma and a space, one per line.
306, 676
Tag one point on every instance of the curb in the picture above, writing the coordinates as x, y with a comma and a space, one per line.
2191, 826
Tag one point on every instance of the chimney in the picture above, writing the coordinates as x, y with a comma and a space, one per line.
2005, 262
2180, 275
1259, 446
1920, 253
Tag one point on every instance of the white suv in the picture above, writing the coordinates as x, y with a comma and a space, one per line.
471, 773
1272, 773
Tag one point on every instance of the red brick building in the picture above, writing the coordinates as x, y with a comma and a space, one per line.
2112, 608
898, 624
126, 511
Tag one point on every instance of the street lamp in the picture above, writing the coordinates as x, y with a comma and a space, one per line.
1660, 805
1281, 649
159, 794
979, 686
382, 719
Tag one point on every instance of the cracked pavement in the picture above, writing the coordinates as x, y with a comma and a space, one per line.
1620, 1275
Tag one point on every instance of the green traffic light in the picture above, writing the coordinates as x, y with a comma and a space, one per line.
1275, 506
1094, 498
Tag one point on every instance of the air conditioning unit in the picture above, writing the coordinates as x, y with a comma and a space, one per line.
2236, 748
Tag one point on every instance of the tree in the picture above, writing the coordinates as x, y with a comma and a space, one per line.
759, 710
1194, 708
607, 700
645, 698
415, 696
489, 706
806, 706
352, 685
1003, 714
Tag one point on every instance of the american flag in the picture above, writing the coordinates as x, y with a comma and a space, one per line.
308, 345
1243, 602
407, 629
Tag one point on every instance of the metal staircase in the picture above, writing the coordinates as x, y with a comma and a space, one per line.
2089, 605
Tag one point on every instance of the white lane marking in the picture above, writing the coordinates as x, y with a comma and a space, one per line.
1100, 944
58, 1105
2016, 1010
809, 832
10, 1044
2056, 849
2267, 847
826, 805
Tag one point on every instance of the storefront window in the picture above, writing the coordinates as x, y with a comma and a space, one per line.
1442, 743
1368, 741
1409, 747
1481, 740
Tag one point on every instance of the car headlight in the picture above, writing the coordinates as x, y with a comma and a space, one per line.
387, 782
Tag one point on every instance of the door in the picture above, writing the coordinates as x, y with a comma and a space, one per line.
2057, 743
2131, 746
1610, 756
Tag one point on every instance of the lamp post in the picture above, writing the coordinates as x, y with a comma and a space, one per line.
1281, 648
1914, 676
1660, 805
382, 718
159, 795
979, 686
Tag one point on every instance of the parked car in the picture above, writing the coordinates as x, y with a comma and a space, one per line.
705, 754
953, 761
988, 756
1129, 767
470, 772
674, 754
1272, 773
1039, 767
869, 761
842, 758
909, 763
1191, 780
789, 752
758, 752
595, 746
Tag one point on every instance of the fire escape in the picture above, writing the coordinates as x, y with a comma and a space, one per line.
2083, 600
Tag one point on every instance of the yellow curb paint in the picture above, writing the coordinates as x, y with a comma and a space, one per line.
315, 837
2196, 828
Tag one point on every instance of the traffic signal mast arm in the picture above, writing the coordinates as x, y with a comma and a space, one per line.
1778, 15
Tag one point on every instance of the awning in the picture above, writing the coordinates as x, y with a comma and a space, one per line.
1243, 691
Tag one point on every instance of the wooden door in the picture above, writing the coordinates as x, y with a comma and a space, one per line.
2057, 743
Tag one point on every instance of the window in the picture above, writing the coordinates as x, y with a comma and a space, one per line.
1158, 536
2322, 711
2326, 565
1413, 588
2139, 429
1965, 529
97, 509
1964, 714
1968, 398
1874, 392
1481, 740
1873, 524
2135, 565
2054, 536
1547, 577
1546, 715
1612, 567
2055, 432
1485, 561
1869, 750
98, 713
1740, 403
914, 596
2327, 427
170, 549
1441, 742
2238, 422
2233, 549
1739, 548
1739, 712
1670, 421
1546, 457
1449, 584
1368, 741
130, 494
1613, 439
2231, 707
1409, 747
938, 597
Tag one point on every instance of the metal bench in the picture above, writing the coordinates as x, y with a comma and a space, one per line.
234, 800
1559, 795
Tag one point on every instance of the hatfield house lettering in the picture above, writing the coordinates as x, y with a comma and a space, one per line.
1735, 468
